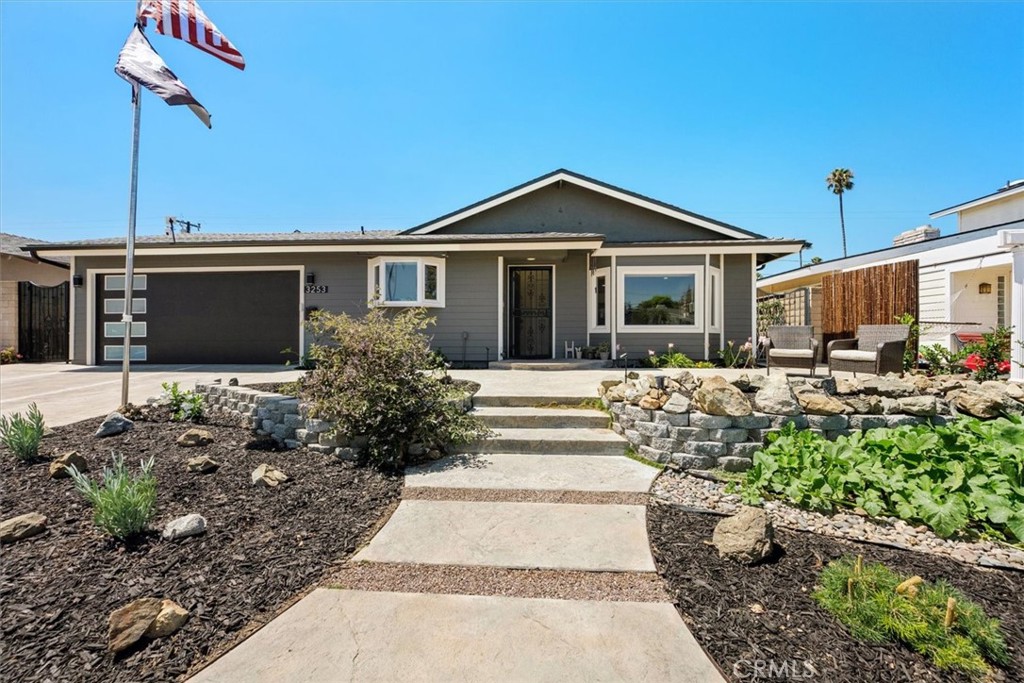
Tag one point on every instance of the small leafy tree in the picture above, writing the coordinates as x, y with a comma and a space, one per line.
370, 379
22, 434
186, 406
771, 311
123, 504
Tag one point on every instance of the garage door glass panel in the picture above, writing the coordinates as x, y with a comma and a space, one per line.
116, 330
115, 283
111, 352
116, 306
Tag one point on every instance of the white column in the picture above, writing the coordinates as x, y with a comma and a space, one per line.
1017, 317
707, 305
753, 301
612, 315
501, 308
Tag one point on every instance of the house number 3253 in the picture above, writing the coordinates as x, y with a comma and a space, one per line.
316, 289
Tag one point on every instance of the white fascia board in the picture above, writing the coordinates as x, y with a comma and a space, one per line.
998, 196
622, 196
410, 248
1010, 239
678, 250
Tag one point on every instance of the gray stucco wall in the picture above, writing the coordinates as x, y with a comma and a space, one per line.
570, 208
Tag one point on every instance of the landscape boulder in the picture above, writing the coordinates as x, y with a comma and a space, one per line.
716, 396
776, 397
202, 464
169, 620
189, 525
268, 475
145, 617
22, 527
114, 424
980, 402
745, 537
923, 406
890, 386
126, 625
195, 437
677, 403
819, 403
59, 467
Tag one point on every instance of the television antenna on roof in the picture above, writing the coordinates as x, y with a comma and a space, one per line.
186, 226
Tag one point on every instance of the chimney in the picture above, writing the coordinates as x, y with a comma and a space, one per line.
919, 234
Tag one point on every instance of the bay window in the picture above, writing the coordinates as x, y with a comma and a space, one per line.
406, 281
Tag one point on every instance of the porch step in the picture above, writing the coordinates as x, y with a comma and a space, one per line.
562, 441
567, 364
528, 401
533, 473
537, 418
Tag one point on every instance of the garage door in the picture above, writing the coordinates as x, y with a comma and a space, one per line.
215, 317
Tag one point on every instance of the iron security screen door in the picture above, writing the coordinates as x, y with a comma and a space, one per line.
530, 312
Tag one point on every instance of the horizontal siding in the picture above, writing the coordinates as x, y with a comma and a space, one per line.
933, 305
738, 293
471, 308
571, 302
569, 208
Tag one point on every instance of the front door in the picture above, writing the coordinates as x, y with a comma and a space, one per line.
529, 305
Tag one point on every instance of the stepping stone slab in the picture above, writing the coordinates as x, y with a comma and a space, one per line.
515, 535
534, 472
340, 635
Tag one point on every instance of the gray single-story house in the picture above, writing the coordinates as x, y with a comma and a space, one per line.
562, 259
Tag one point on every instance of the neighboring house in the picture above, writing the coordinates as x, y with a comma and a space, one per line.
562, 259
967, 281
16, 267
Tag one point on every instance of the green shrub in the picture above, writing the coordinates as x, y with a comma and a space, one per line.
370, 379
123, 504
669, 359
942, 361
968, 474
9, 355
23, 434
877, 605
913, 338
993, 350
186, 406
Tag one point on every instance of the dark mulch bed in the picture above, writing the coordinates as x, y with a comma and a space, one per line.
715, 597
263, 548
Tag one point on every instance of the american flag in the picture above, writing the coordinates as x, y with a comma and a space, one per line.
184, 19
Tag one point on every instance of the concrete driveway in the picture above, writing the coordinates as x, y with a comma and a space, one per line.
69, 393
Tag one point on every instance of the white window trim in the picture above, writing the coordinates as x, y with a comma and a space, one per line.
606, 273
715, 307
375, 288
698, 298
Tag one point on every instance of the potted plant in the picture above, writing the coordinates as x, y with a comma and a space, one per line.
604, 351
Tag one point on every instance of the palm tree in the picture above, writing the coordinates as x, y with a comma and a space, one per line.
839, 181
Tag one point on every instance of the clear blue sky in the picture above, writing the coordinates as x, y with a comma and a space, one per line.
387, 115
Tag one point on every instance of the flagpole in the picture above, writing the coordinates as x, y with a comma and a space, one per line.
129, 263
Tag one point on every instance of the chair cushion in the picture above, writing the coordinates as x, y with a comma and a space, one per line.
790, 353
862, 356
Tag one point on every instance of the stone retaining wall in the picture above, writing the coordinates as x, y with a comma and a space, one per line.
278, 416
707, 423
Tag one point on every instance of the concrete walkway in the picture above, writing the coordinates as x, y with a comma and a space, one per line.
390, 632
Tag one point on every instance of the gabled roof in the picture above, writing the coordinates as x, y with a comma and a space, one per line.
1002, 193
563, 175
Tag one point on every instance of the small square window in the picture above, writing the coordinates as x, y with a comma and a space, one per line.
116, 306
115, 283
116, 330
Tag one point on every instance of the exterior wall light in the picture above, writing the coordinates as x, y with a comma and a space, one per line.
310, 278
76, 281
985, 288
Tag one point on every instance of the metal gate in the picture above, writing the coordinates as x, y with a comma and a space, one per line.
43, 322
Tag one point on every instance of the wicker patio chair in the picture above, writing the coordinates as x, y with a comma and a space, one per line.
792, 346
877, 349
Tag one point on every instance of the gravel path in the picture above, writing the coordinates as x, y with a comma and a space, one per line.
701, 494
519, 583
